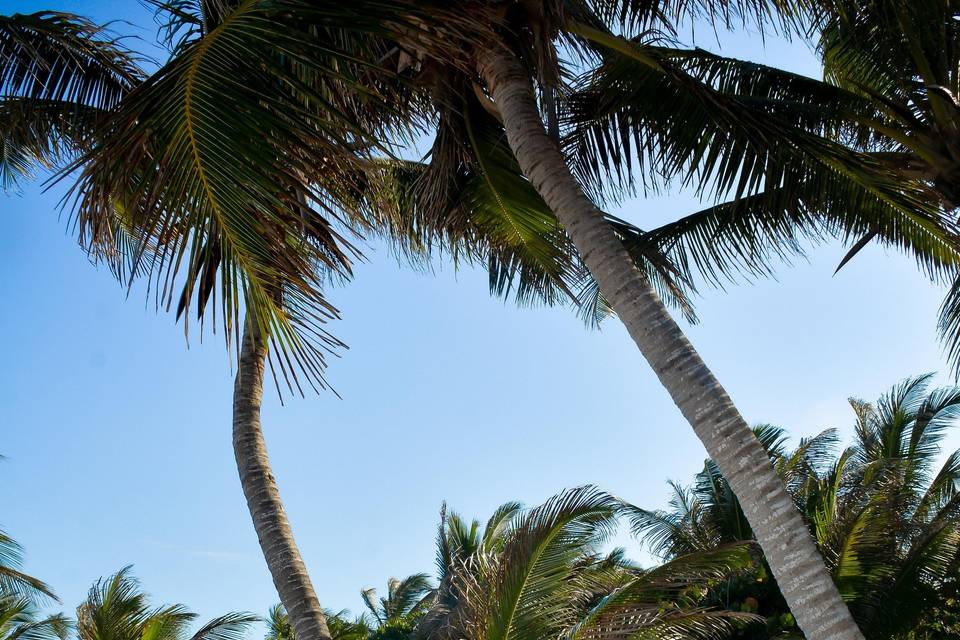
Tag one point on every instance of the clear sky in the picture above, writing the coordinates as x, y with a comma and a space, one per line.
118, 436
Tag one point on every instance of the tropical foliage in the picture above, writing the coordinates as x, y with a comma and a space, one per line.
884, 514
868, 154
117, 609
240, 174
541, 573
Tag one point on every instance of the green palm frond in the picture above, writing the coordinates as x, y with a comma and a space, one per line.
634, 14
802, 184
660, 603
948, 324
278, 624
14, 583
232, 626
117, 608
669, 533
239, 164
498, 526
940, 496
19, 621
899, 50
59, 73
60, 57
538, 559
405, 599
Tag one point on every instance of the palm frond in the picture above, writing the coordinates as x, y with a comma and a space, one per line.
240, 164
232, 626
13, 582
796, 183
538, 559
59, 74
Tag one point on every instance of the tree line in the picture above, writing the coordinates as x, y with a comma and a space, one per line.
884, 512
237, 176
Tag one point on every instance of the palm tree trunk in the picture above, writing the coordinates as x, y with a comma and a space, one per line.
797, 565
263, 499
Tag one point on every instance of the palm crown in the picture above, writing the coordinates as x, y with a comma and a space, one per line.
883, 513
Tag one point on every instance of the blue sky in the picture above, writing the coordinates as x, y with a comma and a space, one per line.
118, 436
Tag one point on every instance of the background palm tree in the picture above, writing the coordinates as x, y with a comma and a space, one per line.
539, 574
19, 621
339, 622
884, 515
397, 613
117, 609
20, 595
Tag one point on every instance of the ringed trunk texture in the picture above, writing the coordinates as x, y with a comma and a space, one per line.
797, 565
263, 498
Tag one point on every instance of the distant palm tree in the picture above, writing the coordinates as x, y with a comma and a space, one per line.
885, 518
19, 621
405, 601
538, 574
117, 609
341, 627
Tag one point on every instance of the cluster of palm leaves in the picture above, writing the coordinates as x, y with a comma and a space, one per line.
241, 174
116, 608
542, 573
885, 515
192, 173
21, 597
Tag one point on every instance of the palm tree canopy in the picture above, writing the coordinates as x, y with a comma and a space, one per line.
539, 573
255, 202
884, 514
117, 609
404, 599
19, 621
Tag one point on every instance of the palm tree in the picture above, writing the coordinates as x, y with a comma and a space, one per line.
117, 609
231, 210
883, 515
259, 220
518, 55
341, 627
397, 613
539, 574
19, 621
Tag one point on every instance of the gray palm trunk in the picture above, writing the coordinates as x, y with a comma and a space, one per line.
797, 565
263, 498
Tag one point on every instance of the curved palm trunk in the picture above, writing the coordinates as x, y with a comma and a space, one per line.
780, 530
263, 499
